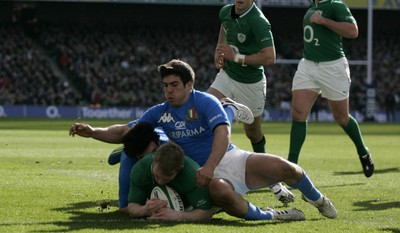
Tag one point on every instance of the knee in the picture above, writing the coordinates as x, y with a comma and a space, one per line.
293, 172
219, 191
299, 114
342, 120
253, 131
253, 136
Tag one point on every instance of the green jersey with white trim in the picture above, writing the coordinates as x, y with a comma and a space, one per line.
246, 34
320, 43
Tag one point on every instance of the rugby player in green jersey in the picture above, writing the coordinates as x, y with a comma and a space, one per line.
245, 45
325, 70
167, 166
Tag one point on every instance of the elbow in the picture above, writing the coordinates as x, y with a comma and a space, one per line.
353, 32
206, 215
352, 35
269, 61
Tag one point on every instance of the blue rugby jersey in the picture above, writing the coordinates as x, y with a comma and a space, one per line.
191, 126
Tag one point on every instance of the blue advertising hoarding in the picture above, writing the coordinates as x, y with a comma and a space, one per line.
81, 112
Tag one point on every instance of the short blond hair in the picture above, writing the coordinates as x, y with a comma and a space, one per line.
169, 158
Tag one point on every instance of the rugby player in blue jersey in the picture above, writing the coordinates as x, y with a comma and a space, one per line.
198, 123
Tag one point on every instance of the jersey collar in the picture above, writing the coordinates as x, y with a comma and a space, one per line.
235, 16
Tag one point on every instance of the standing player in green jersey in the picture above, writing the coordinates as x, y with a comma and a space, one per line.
325, 70
245, 45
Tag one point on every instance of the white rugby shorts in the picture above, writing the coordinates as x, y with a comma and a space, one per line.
233, 169
331, 79
250, 94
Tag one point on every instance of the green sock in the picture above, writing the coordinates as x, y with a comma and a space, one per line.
297, 136
259, 147
352, 129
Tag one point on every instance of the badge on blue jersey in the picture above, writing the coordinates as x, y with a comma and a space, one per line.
191, 115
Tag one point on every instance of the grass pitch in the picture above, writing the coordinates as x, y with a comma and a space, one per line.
51, 182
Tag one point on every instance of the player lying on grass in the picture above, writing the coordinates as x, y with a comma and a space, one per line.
157, 169
198, 123
137, 148
167, 166
298, 178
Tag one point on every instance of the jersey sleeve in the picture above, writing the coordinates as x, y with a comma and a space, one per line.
137, 195
213, 110
141, 181
343, 13
199, 198
152, 115
132, 123
185, 184
262, 32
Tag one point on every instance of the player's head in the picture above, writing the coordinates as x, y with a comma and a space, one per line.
178, 80
178, 68
167, 162
243, 5
140, 140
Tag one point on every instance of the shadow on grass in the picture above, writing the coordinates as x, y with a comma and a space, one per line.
376, 205
393, 230
377, 171
83, 217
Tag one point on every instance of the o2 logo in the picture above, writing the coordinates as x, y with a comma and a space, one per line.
52, 112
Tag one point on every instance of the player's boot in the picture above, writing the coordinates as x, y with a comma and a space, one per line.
283, 194
242, 112
286, 215
324, 206
367, 164
115, 156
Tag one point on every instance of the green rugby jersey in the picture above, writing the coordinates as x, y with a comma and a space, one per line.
247, 34
320, 43
142, 183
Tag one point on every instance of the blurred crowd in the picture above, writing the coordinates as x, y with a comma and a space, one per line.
116, 65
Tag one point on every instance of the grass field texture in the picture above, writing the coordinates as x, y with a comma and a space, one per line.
51, 182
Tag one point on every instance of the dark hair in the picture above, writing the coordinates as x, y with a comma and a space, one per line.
169, 158
179, 68
138, 138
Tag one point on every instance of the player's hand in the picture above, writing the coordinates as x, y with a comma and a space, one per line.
165, 214
219, 61
83, 130
226, 52
204, 176
155, 205
316, 17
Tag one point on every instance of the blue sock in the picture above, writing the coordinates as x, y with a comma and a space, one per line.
230, 113
254, 213
307, 188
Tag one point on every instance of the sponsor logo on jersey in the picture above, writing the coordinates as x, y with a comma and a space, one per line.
185, 133
215, 117
241, 37
266, 38
191, 115
180, 125
166, 118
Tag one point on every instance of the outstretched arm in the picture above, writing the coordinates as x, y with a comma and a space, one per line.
110, 134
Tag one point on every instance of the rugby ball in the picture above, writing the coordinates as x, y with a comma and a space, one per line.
164, 192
